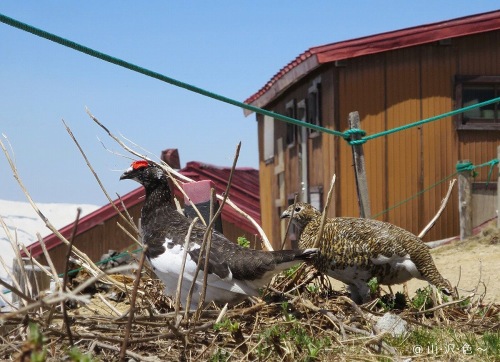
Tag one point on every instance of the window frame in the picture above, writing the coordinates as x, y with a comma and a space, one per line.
268, 138
477, 124
317, 108
291, 129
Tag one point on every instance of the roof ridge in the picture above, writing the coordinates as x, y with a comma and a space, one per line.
380, 42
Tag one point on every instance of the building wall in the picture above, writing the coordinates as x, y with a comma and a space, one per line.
390, 89
97, 241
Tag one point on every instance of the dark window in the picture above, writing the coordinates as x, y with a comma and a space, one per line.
316, 197
314, 104
473, 90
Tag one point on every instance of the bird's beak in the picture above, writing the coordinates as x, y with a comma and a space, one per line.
127, 174
285, 215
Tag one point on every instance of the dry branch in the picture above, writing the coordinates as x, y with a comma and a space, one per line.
444, 202
325, 212
127, 220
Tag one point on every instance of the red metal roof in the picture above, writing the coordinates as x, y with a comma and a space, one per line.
244, 192
392, 40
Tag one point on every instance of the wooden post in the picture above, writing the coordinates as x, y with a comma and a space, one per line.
38, 279
465, 203
359, 169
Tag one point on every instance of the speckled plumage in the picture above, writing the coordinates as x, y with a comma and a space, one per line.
234, 272
354, 250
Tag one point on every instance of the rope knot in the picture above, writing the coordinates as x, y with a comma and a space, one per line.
466, 166
347, 135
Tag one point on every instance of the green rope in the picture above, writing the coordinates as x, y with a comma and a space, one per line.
431, 119
469, 166
94, 53
492, 164
460, 167
345, 135
465, 166
412, 197
354, 131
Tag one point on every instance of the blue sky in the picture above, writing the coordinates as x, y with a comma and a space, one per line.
228, 47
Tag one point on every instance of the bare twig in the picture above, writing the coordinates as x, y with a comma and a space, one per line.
207, 241
132, 237
18, 258
325, 212
60, 296
289, 223
444, 202
83, 256
262, 234
181, 273
128, 221
16, 291
170, 171
441, 306
134, 355
123, 350
207, 238
48, 258
65, 277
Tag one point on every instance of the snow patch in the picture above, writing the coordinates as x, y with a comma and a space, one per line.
23, 223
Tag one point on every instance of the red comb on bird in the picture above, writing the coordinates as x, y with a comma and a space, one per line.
139, 164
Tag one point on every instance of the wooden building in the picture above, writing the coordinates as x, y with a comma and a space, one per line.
99, 232
391, 79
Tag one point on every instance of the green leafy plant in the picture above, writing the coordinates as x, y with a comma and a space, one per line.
243, 242
227, 325
422, 298
286, 313
291, 271
36, 343
78, 356
312, 288
373, 285
291, 337
491, 343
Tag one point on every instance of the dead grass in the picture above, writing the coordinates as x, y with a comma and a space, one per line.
312, 322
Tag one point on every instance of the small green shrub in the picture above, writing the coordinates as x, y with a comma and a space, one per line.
227, 325
422, 298
243, 242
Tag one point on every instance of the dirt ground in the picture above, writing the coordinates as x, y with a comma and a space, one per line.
470, 264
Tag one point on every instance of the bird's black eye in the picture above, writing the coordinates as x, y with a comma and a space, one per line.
297, 208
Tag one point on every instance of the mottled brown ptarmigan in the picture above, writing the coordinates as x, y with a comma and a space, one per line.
354, 250
234, 272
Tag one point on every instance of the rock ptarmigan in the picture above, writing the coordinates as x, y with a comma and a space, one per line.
234, 272
354, 250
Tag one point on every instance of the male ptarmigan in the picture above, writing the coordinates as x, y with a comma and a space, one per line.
234, 272
354, 250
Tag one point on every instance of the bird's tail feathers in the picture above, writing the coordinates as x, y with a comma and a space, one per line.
307, 253
283, 256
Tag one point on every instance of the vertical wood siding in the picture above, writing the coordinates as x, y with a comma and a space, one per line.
388, 90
